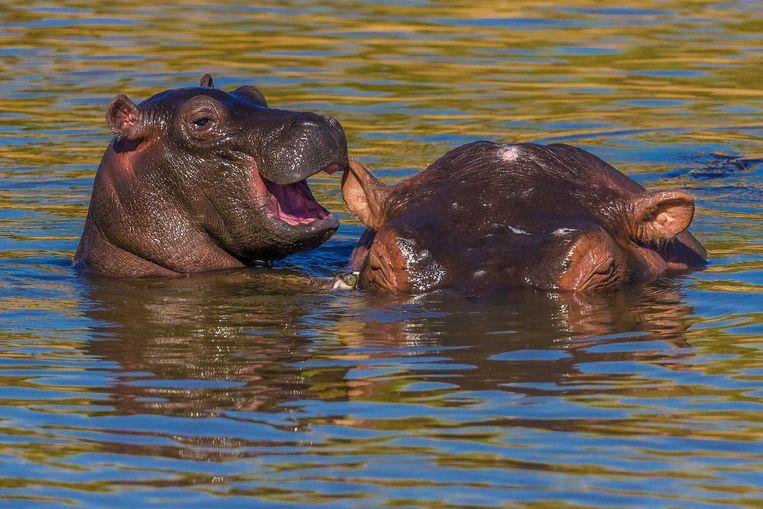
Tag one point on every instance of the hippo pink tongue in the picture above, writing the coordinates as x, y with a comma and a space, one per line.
294, 204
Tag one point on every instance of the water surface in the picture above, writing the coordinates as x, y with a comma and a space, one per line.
232, 388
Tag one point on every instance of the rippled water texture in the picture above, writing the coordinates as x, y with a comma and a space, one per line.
235, 388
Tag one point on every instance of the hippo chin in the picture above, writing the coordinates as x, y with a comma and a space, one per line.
200, 179
487, 216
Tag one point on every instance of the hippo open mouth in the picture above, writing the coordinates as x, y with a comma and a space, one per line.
295, 204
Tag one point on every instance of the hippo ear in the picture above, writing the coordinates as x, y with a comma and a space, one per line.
251, 94
123, 118
206, 81
364, 195
661, 215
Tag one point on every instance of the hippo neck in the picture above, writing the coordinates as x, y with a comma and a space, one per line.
98, 254
170, 244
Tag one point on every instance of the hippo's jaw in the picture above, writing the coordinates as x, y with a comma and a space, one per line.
295, 205
292, 206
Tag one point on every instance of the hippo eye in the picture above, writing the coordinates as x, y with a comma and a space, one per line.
202, 122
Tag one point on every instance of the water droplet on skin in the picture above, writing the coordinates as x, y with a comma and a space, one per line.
425, 273
559, 232
518, 231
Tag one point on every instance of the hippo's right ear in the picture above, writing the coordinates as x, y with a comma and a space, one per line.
251, 94
124, 118
660, 215
364, 194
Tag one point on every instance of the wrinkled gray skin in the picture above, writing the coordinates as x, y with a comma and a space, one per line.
194, 181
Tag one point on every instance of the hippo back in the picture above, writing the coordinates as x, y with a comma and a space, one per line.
489, 216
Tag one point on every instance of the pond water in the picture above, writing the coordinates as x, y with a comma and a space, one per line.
232, 388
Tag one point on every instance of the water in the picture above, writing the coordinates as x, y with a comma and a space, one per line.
233, 388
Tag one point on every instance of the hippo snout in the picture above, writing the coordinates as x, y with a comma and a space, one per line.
307, 144
333, 122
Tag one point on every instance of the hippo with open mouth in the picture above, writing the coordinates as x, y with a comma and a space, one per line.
487, 216
199, 179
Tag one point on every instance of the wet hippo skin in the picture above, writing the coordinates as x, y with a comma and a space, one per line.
200, 179
487, 216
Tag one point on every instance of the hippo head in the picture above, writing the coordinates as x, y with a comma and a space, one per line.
488, 216
199, 179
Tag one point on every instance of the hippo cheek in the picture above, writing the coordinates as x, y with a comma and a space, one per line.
592, 262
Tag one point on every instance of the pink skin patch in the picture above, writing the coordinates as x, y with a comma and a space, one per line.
508, 154
124, 153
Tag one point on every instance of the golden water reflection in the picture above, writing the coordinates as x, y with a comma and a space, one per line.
238, 388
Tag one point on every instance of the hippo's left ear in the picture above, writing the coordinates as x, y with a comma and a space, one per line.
364, 195
660, 216
251, 94
124, 118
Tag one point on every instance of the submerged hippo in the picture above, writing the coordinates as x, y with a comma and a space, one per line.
489, 216
199, 179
